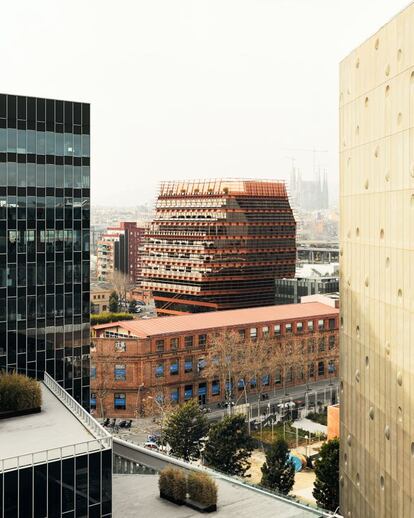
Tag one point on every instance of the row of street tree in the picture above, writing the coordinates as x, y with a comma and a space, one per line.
234, 359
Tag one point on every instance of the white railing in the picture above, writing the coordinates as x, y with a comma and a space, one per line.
54, 454
194, 466
102, 441
86, 419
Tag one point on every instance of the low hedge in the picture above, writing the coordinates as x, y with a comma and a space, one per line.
202, 488
173, 484
105, 318
18, 392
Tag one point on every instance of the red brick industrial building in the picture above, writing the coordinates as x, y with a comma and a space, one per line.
218, 244
133, 358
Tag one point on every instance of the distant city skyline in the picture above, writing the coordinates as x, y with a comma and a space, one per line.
174, 96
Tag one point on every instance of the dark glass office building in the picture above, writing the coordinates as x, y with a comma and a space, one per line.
44, 240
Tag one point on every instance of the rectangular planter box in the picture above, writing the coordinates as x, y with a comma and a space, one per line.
202, 508
17, 413
171, 499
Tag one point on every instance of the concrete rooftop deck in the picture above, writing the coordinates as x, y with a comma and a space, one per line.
138, 495
55, 427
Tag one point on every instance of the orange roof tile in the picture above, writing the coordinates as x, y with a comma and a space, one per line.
210, 320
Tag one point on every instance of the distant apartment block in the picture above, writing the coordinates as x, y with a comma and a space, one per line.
168, 354
376, 248
290, 291
310, 279
119, 250
218, 244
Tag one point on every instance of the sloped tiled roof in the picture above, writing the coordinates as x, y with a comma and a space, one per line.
210, 320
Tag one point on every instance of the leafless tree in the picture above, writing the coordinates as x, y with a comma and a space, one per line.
121, 284
157, 403
224, 358
103, 382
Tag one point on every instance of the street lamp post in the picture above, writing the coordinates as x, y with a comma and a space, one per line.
162, 415
138, 405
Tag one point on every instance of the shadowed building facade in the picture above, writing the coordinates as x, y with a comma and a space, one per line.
44, 240
218, 244
377, 276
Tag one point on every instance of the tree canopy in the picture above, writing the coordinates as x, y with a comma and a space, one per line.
326, 487
229, 446
113, 302
183, 430
278, 471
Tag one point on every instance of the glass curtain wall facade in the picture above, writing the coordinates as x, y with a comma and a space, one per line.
44, 240
73, 487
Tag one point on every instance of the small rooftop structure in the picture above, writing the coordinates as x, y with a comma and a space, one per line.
235, 317
62, 429
330, 299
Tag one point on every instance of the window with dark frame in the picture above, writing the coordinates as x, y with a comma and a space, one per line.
174, 367
159, 370
321, 324
321, 368
188, 365
120, 372
119, 401
277, 329
188, 341
159, 345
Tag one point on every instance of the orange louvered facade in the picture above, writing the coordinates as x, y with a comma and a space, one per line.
218, 244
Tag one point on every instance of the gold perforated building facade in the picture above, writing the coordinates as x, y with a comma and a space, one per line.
377, 274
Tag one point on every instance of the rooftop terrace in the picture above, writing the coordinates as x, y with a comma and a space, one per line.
136, 495
62, 429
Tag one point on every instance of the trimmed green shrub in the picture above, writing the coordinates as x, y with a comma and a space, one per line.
106, 317
18, 392
202, 488
173, 484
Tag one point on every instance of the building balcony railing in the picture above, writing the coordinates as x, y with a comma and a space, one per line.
102, 440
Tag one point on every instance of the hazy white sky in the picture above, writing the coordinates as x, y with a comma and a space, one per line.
190, 88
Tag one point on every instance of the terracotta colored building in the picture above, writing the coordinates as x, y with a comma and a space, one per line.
218, 244
333, 421
131, 358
